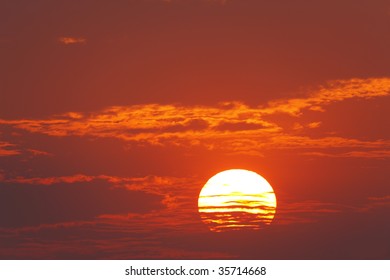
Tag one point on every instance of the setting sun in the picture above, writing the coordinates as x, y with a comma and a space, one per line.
237, 199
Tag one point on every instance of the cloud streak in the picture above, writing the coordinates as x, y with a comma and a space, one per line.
335, 91
222, 2
371, 154
8, 149
72, 40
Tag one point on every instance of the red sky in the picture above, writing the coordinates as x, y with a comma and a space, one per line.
113, 115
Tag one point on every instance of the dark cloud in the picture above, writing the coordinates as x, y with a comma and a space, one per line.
25, 205
342, 236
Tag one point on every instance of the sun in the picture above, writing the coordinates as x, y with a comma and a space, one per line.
237, 199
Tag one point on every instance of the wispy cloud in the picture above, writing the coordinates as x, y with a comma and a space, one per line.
376, 202
72, 40
8, 149
335, 91
374, 154
314, 124
230, 127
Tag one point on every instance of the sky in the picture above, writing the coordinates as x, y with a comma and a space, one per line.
114, 114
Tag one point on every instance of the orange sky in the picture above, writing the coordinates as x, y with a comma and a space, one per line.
114, 115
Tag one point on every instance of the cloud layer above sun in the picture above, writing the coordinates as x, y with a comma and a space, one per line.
229, 127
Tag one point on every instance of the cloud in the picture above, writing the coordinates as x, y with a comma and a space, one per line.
373, 154
173, 190
112, 217
72, 40
8, 149
102, 239
178, 196
382, 199
35, 152
135, 230
314, 124
222, 2
307, 211
230, 127
167, 196
334, 91
23, 205
292, 211
376, 202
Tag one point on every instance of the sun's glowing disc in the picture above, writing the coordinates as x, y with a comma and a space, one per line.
237, 199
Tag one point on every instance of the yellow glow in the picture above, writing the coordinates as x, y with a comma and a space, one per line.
236, 199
